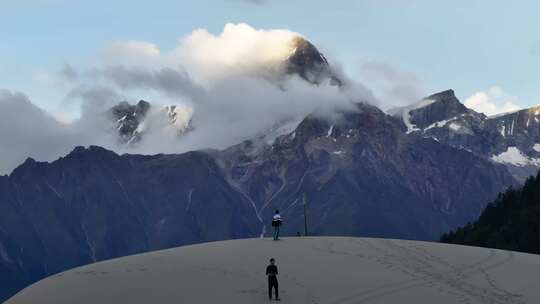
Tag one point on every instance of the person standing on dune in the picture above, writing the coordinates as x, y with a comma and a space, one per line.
271, 273
276, 223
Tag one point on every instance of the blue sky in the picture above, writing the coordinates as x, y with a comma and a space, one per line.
470, 46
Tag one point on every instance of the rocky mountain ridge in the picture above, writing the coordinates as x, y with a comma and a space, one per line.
512, 139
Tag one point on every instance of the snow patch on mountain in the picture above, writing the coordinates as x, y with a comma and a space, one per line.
440, 124
3, 253
454, 126
279, 130
515, 157
330, 131
512, 127
406, 113
536, 147
503, 114
502, 130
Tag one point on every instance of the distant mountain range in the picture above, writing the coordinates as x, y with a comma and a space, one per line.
362, 174
512, 139
421, 171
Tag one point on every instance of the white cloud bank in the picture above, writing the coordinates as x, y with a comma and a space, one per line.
28, 131
239, 50
391, 84
231, 82
493, 101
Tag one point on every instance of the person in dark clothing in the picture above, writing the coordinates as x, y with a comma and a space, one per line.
276, 223
271, 273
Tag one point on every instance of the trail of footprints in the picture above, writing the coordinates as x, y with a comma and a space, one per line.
423, 268
261, 288
101, 273
428, 270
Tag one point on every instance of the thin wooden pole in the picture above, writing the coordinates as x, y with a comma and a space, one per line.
305, 216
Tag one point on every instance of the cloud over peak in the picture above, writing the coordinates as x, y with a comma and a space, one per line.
492, 101
239, 49
394, 86
232, 85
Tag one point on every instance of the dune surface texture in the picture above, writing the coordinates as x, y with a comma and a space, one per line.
332, 270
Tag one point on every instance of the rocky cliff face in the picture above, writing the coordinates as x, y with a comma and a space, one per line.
357, 171
132, 121
129, 119
311, 65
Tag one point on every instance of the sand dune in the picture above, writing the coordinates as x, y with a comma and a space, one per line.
312, 270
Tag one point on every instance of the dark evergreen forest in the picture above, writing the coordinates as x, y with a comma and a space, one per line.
511, 222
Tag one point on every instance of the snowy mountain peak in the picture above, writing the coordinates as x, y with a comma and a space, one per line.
305, 53
446, 104
128, 118
306, 61
434, 110
132, 121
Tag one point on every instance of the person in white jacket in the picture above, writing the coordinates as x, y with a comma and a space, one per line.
276, 223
